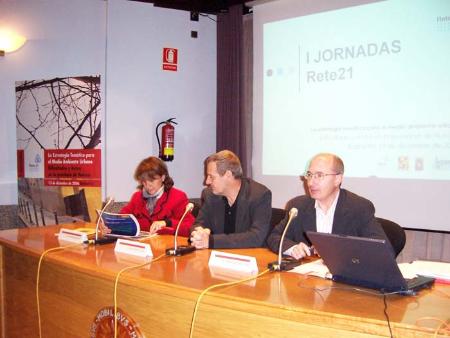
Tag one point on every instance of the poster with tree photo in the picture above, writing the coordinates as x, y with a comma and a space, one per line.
58, 125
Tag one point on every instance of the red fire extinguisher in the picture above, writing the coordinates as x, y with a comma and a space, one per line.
166, 146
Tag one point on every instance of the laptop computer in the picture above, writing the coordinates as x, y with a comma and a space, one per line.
365, 262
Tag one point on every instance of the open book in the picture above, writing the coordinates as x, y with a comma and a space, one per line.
121, 224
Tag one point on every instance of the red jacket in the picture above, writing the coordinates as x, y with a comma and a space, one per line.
169, 207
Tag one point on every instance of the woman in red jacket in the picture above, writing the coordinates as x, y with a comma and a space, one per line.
157, 205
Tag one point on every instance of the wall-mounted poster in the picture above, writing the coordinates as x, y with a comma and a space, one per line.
58, 149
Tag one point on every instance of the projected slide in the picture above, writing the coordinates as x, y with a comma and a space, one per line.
370, 83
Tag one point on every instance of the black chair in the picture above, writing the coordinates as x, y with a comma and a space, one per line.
277, 216
197, 205
394, 233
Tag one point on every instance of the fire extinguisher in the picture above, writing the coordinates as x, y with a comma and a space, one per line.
166, 146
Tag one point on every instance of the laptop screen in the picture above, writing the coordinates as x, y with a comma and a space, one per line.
359, 261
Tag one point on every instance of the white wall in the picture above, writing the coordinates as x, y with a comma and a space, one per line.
68, 38
140, 94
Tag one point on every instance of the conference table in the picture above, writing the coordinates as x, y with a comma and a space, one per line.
76, 296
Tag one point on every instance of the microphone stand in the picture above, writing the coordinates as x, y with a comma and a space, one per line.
180, 250
287, 263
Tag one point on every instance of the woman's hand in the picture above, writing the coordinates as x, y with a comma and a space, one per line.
157, 225
103, 229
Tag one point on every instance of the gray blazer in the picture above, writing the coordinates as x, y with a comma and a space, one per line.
354, 216
254, 210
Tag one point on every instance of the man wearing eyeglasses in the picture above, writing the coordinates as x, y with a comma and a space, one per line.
328, 208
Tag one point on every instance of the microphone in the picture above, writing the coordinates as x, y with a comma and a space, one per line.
101, 241
182, 249
108, 202
286, 263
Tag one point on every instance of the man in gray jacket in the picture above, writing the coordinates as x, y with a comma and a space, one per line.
235, 211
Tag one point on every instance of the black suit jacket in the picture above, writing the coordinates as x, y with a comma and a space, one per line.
354, 216
254, 209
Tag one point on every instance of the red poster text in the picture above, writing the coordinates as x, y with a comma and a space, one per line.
72, 167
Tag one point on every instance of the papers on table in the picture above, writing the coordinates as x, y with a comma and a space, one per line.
438, 270
316, 268
142, 235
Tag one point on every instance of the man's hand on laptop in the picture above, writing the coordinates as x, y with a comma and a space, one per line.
301, 250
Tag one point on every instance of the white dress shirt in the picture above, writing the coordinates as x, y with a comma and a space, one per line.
324, 220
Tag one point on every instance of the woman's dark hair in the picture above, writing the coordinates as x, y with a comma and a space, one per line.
150, 168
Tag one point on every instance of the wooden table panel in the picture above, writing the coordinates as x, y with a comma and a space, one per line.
77, 282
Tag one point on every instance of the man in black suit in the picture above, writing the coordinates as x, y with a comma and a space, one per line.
328, 208
235, 211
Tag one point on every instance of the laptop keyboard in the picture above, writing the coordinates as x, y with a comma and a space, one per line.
419, 282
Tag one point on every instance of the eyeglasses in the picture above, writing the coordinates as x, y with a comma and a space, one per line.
318, 175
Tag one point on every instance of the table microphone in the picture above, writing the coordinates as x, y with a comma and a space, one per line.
182, 249
108, 202
285, 263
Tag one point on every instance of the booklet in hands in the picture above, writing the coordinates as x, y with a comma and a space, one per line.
121, 224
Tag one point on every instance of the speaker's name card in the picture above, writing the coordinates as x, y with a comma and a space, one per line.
134, 248
231, 261
73, 236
